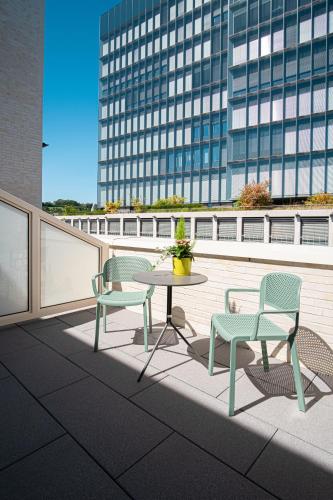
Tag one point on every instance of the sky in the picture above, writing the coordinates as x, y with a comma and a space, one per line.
70, 111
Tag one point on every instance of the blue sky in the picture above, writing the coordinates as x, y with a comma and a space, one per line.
70, 98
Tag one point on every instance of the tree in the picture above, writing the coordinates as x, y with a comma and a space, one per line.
62, 203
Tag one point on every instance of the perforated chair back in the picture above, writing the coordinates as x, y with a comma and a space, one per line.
122, 269
280, 291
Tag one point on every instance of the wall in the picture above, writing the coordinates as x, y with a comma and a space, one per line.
21, 79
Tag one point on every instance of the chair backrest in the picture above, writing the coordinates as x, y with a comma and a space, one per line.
280, 291
122, 269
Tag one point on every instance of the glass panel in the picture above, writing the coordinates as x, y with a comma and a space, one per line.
67, 265
14, 254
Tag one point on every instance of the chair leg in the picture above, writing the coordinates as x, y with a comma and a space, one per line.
104, 319
233, 352
297, 374
145, 332
264, 355
211, 350
150, 317
98, 316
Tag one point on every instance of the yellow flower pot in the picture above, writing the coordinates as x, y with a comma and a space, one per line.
182, 267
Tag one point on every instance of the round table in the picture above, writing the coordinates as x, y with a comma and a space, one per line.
168, 279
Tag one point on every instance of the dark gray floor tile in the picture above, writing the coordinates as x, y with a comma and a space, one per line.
14, 339
118, 370
3, 372
24, 424
35, 324
112, 429
61, 470
77, 318
293, 469
178, 469
42, 370
204, 420
65, 339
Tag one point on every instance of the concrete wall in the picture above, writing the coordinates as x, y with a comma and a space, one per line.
21, 79
198, 303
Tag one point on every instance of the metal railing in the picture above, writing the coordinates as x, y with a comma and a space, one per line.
307, 227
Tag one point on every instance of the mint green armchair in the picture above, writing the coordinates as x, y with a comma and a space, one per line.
281, 292
122, 269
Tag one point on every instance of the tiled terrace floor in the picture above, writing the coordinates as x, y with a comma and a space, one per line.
76, 424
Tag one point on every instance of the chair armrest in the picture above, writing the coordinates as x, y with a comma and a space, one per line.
93, 282
280, 311
150, 291
228, 290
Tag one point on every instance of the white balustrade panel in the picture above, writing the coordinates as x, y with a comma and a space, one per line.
14, 260
67, 266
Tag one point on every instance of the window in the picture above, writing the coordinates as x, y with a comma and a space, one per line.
290, 31
277, 107
265, 44
239, 52
238, 146
239, 81
264, 141
265, 109
239, 116
252, 143
277, 148
304, 137
253, 113
305, 28
289, 178
318, 137
265, 76
319, 97
290, 103
290, 139
304, 61
319, 23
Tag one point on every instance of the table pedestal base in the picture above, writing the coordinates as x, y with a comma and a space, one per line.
168, 322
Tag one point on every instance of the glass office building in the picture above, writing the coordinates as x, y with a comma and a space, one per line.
198, 98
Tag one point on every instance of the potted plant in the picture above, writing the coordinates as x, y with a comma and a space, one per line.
181, 251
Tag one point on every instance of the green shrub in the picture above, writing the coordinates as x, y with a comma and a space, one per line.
254, 195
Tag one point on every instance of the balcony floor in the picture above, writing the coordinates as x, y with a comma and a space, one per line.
76, 424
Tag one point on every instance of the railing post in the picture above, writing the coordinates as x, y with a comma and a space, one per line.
266, 228
106, 226
154, 227
97, 228
239, 229
88, 225
330, 230
297, 234
192, 228
80, 224
214, 228
138, 226
121, 224
173, 226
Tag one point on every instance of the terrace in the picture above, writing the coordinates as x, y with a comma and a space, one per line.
77, 424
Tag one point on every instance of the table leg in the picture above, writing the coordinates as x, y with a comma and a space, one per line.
168, 322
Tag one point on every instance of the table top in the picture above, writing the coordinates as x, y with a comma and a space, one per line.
167, 278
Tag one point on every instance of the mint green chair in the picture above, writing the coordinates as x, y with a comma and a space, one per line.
280, 291
122, 269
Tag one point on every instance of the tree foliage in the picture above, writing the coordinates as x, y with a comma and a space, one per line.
254, 195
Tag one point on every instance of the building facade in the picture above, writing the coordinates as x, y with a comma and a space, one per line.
21, 95
198, 98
